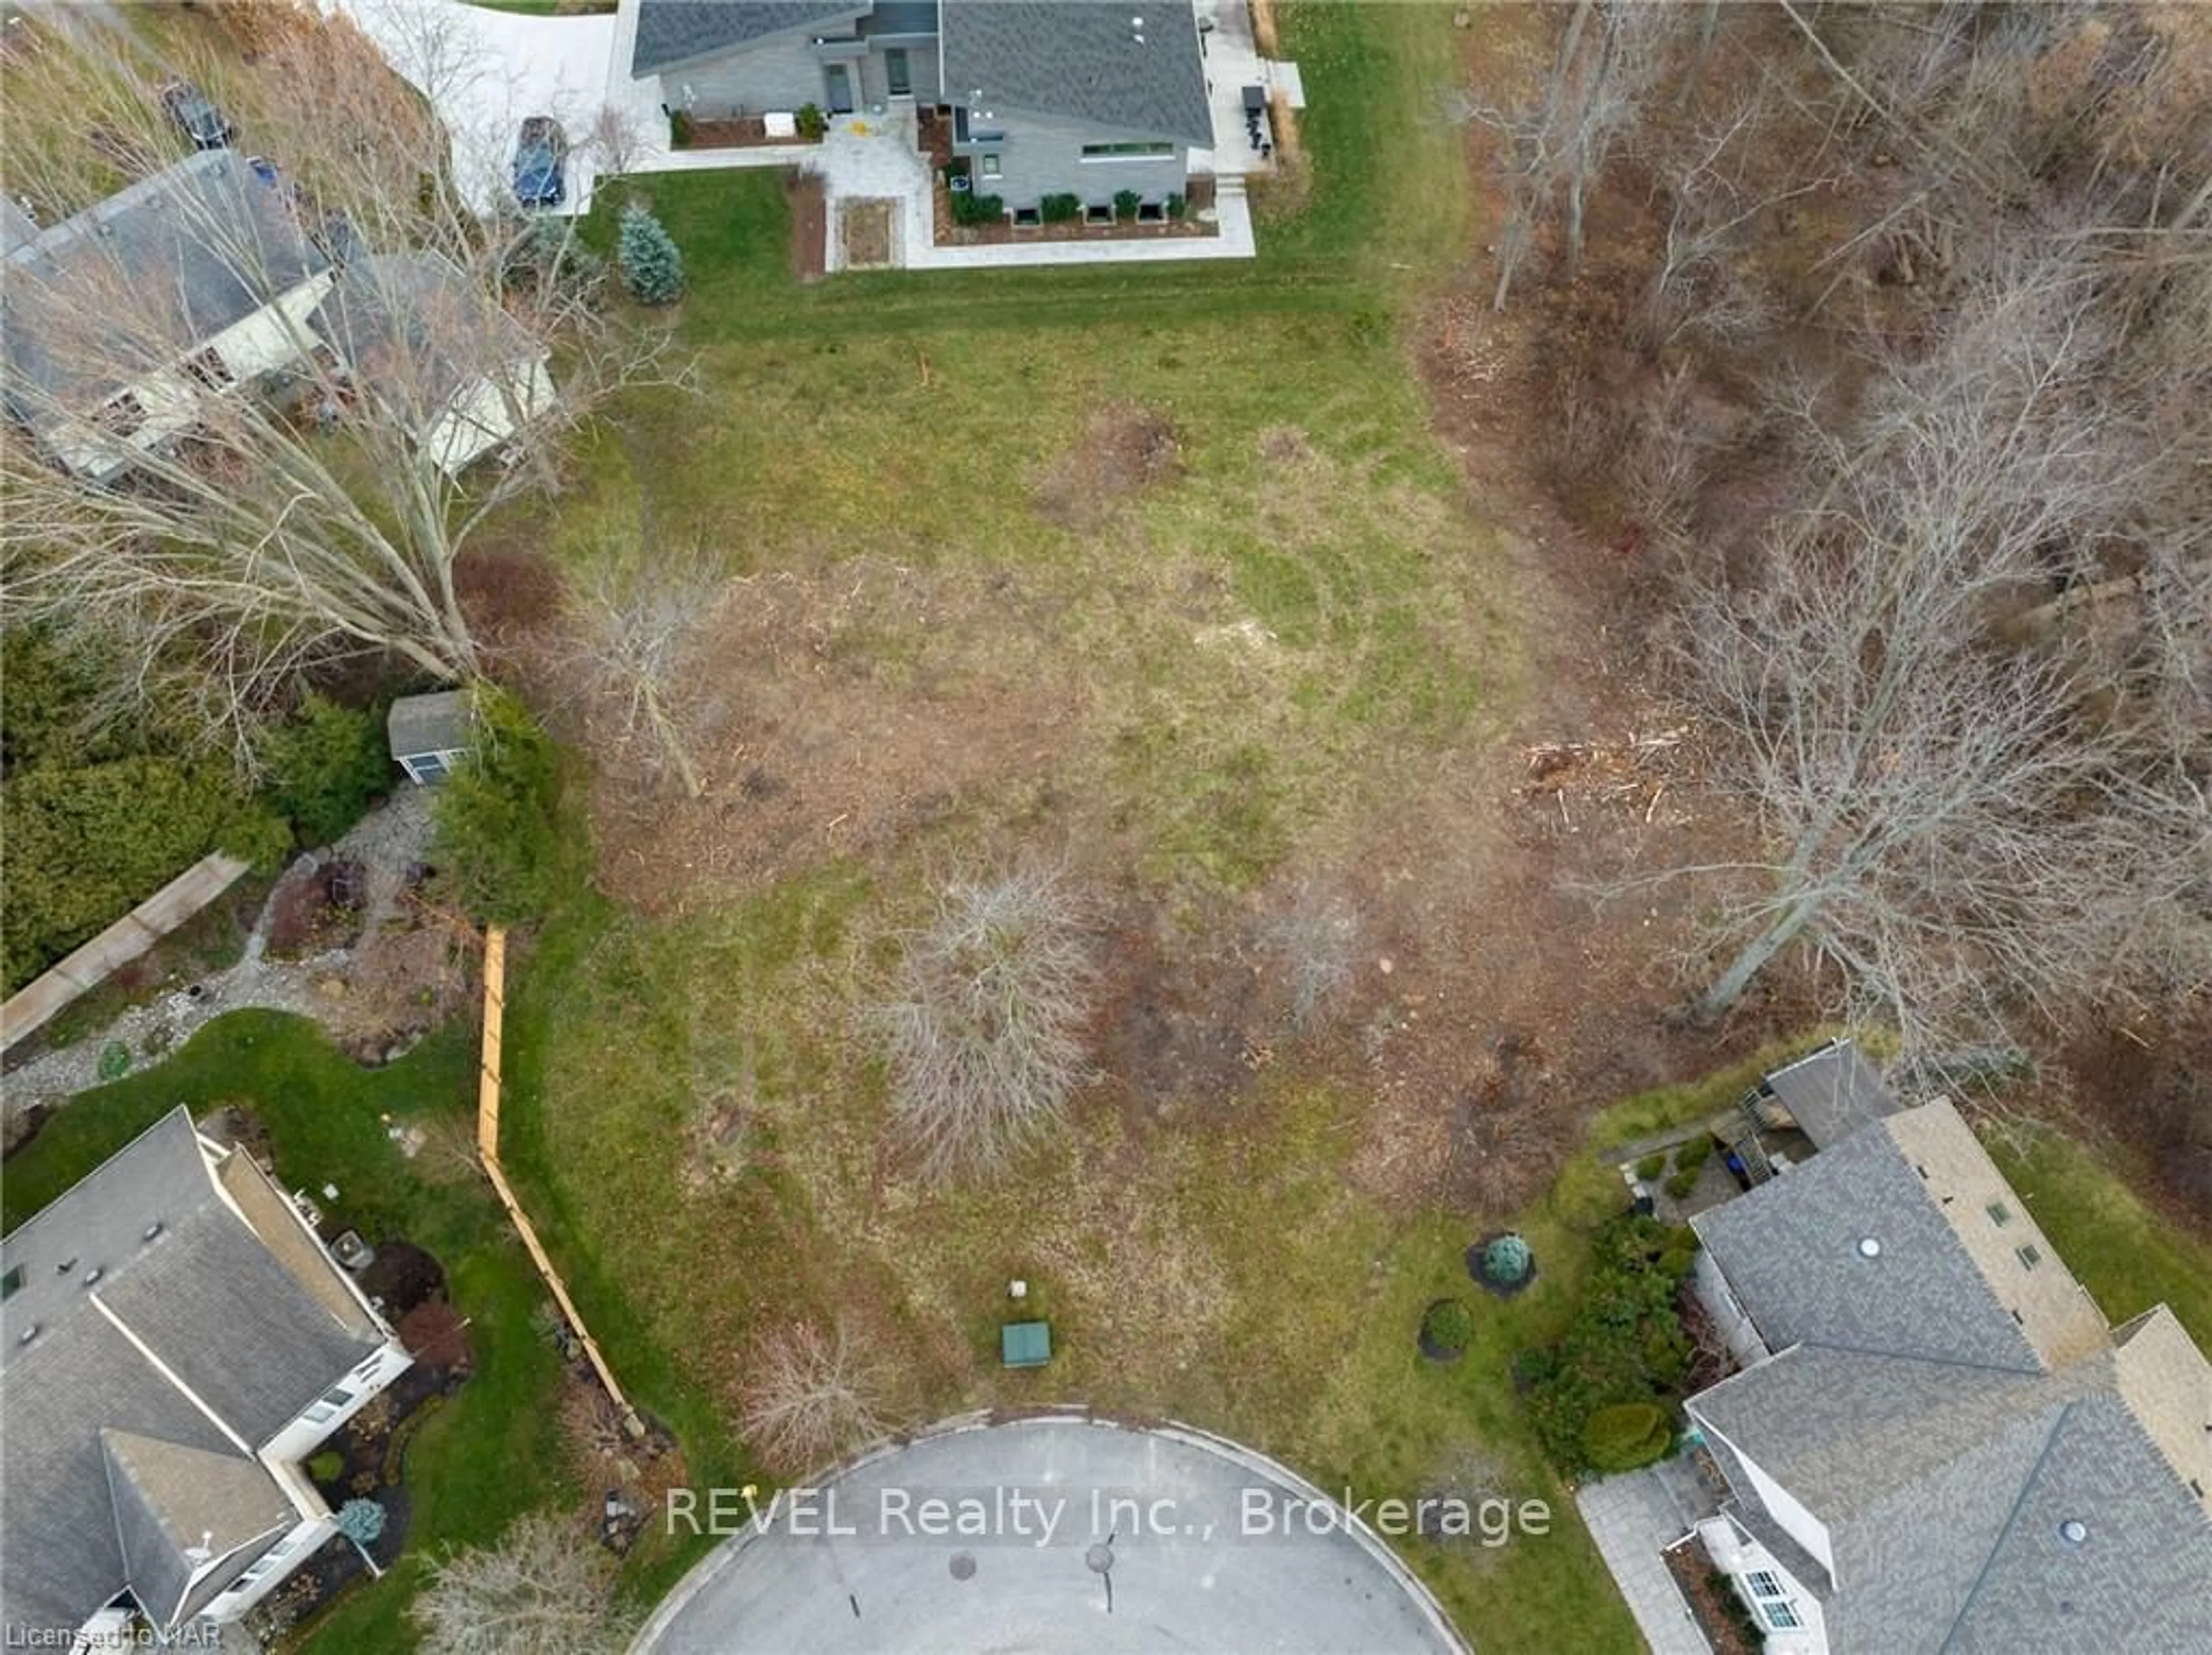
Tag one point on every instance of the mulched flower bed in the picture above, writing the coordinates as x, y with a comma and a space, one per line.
999, 232
810, 226
734, 132
1718, 1609
1497, 1289
370, 1449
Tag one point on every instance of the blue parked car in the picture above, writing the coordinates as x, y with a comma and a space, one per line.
196, 115
541, 155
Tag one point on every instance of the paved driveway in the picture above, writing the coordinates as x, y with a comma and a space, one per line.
1122, 1539
485, 72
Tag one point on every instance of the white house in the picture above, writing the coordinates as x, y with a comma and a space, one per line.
414, 334
1937, 1443
118, 323
174, 1342
121, 322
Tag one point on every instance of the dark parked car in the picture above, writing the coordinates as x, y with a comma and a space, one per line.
196, 115
540, 157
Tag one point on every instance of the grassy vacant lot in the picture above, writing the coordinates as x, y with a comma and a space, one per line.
495, 1451
1159, 571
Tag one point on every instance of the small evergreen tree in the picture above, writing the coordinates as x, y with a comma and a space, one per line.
360, 1521
326, 763
652, 269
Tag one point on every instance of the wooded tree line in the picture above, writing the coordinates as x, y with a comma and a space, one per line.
1906, 384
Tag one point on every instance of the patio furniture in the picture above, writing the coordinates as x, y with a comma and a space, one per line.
1026, 1344
1255, 100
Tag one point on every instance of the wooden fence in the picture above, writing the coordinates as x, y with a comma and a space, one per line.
488, 1090
118, 945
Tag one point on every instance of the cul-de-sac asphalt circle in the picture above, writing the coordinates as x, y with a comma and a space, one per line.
1049, 1534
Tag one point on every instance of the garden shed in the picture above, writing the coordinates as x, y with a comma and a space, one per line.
428, 735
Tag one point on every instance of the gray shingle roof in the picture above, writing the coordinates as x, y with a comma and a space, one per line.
100, 1224
1943, 1493
1833, 1092
435, 723
671, 32
2141, 1578
415, 332
63, 1558
171, 262
1791, 1250
235, 1325
171, 1501
1912, 1418
104, 1458
1081, 59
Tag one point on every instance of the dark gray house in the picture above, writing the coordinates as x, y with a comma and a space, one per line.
1937, 1443
1045, 97
174, 1341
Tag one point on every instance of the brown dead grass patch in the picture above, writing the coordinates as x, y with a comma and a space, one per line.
1123, 451
836, 715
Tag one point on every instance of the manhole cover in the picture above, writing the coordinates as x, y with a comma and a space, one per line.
964, 1566
1100, 1559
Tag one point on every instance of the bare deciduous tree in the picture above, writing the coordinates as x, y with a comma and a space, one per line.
544, 1590
1555, 145
1314, 940
985, 1029
811, 1397
322, 508
1961, 832
640, 621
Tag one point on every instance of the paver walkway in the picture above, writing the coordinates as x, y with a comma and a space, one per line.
1633, 1516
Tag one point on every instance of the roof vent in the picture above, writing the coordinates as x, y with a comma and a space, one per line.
2073, 1531
65, 1267
151, 1231
93, 1275
1869, 1247
27, 1335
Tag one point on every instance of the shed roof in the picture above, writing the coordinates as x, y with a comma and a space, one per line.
436, 723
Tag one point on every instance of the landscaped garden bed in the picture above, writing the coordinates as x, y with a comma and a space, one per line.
739, 131
1063, 219
1719, 1610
